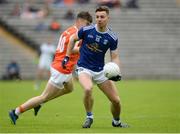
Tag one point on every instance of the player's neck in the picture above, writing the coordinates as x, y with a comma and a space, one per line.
102, 29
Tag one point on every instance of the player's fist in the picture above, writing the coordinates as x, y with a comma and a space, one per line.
65, 61
115, 78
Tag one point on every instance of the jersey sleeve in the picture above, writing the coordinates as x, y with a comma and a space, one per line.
113, 45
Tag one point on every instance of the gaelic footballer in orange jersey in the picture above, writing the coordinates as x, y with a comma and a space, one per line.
61, 51
60, 81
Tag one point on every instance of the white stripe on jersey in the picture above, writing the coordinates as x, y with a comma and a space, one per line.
112, 34
88, 27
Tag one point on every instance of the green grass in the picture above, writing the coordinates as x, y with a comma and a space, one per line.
148, 107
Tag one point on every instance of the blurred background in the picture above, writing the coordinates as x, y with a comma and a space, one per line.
148, 31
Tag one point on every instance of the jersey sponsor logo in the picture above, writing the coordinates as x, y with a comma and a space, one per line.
94, 47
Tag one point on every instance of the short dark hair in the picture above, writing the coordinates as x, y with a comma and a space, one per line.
102, 8
85, 15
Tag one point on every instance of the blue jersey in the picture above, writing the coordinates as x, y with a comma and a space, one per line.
94, 46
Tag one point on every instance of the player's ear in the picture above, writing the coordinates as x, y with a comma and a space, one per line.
88, 23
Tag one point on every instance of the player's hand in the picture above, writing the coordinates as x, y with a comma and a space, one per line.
115, 78
65, 61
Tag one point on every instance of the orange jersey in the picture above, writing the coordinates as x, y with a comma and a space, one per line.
61, 52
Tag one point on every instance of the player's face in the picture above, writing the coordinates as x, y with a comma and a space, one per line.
102, 19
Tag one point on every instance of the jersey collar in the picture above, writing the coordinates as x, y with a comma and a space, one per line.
107, 29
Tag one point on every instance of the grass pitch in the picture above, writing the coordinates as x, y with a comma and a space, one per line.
148, 107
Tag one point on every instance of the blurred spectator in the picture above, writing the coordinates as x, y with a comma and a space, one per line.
82, 1
30, 11
132, 4
12, 71
109, 3
69, 3
63, 3
41, 26
3, 1
69, 15
55, 25
16, 10
47, 51
58, 3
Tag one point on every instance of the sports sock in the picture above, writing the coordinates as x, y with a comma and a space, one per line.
89, 115
19, 110
116, 121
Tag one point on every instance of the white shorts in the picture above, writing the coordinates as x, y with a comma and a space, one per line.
97, 77
44, 64
58, 79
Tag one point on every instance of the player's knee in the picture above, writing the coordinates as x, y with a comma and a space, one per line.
88, 91
116, 101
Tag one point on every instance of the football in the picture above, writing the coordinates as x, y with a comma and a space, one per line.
111, 69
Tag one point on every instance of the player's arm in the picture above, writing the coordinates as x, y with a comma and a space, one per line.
73, 39
72, 46
115, 58
70, 49
77, 46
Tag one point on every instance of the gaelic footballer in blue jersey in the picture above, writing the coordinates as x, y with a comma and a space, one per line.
96, 40
94, 46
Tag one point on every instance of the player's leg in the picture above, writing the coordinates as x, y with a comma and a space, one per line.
86, 83
111, 92
109, 89
39, 76
61, 81
49, 92
68, 88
